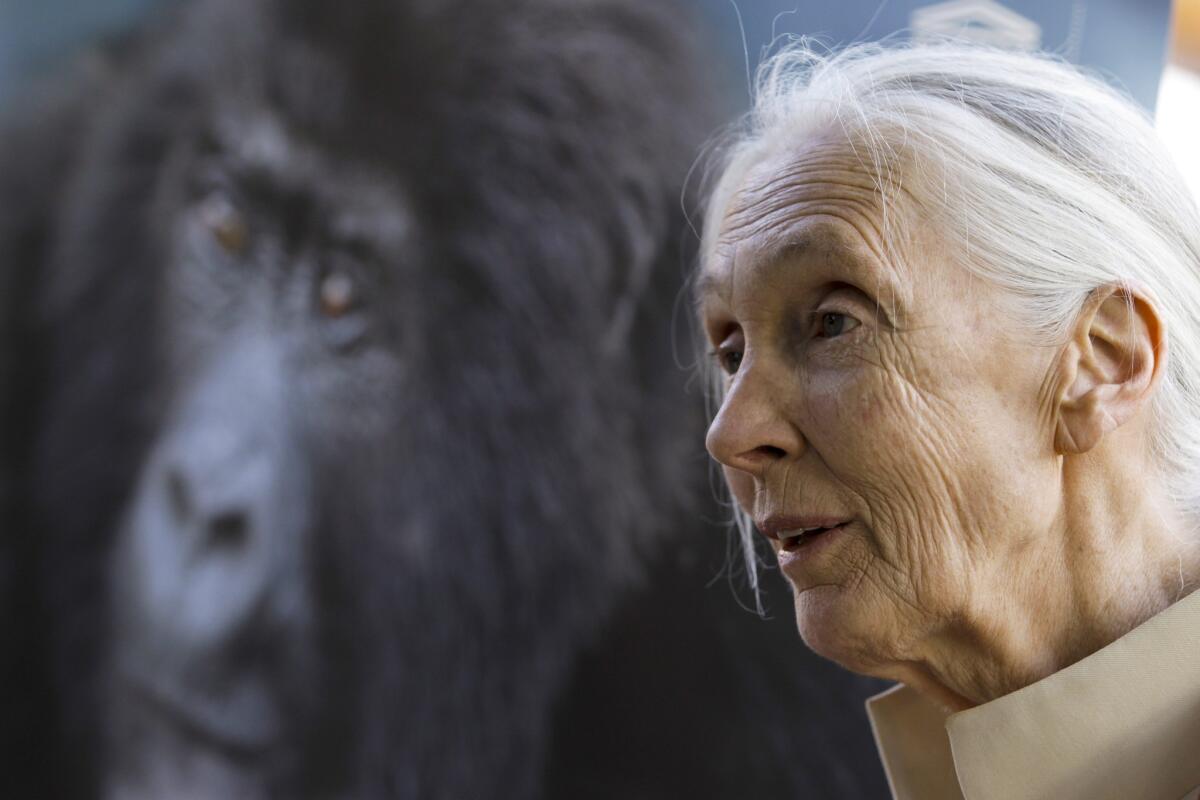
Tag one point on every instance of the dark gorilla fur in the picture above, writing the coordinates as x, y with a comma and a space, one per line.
478, 594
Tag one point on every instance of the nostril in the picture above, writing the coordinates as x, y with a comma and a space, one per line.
229, 529
177, 496
771, 452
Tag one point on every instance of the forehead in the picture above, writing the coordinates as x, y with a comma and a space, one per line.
363, 201
821, 202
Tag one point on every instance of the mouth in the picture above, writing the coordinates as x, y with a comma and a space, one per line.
242, 725
794, 533
793, 540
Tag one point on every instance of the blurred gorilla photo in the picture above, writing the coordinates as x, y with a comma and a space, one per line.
344, 448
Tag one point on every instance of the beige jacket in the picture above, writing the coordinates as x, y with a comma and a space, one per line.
1122, 724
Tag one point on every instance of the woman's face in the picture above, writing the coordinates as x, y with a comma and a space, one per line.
886, 399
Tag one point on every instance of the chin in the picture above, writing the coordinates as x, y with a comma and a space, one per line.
836, 623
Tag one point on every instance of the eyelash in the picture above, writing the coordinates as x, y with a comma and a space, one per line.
824, 315
722, 354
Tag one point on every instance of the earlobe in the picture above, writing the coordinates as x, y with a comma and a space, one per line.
1083, 423
1110, 368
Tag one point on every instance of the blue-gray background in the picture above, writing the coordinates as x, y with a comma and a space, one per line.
33, 33
1124, 39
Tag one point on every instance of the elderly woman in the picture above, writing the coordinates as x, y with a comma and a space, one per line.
953, 300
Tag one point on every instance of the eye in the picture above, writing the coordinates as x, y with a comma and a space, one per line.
730, 360
728, 354
341, 303
225, 223
832, 324
337, 295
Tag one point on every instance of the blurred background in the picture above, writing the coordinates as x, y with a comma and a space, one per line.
1151, 47
1178, 112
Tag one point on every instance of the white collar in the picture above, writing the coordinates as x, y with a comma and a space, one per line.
1122, 723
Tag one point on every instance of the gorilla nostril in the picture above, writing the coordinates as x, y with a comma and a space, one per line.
229, 529
177, 495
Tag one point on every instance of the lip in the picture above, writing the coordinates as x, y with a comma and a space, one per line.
773, 525
238, 729
793, 558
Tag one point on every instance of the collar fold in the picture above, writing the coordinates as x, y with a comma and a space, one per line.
1122, 723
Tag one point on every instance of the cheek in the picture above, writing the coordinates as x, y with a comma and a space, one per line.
741, 486
850, 420
898, 451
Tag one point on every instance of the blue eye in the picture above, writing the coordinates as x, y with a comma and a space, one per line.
834, 324
729, 353
729, 360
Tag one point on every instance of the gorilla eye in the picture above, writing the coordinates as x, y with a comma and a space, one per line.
340, 302
225, 223
337, 295
834, 324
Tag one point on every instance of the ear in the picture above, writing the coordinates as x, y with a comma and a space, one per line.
1110, 367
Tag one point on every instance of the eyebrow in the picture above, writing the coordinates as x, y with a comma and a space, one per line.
707, 285
826, 243
787, 248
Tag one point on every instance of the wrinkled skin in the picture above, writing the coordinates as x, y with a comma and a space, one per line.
889, 387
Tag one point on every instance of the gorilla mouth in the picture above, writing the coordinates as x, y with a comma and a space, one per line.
239, 725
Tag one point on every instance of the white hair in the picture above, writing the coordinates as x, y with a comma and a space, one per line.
1044, 181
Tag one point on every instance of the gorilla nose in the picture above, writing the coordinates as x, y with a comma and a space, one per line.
222, 522
228, 529
197, 560
210, 544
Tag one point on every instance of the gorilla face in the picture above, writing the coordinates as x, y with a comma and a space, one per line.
283, 319
340, 416
356, 409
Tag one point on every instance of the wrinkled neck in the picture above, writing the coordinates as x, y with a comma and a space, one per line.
1116, 554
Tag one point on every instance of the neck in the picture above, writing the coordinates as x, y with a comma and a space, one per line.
1116, 556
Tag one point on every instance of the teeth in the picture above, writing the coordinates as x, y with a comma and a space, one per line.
796, 533
792, 534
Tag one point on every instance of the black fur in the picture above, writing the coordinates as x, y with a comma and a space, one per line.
493, 476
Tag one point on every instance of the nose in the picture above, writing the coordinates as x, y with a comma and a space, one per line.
201, 548
752, 429
212, 535
218, 510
